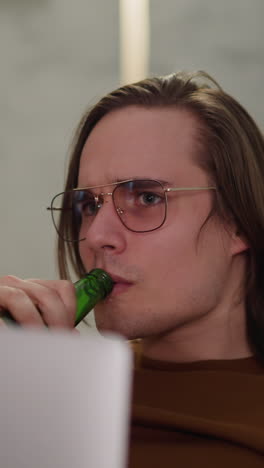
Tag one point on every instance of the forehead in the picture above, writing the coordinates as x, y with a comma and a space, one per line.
158, 143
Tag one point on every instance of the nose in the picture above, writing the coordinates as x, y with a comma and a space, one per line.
106, 233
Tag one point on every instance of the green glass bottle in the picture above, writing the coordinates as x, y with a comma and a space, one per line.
92, 288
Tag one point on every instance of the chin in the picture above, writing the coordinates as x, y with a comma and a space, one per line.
105, 329
114, 325
106, 324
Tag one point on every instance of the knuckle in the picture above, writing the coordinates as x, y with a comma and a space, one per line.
26, 311
41, 292
16, 295
66, 287
47, 297
9, 279
18, 300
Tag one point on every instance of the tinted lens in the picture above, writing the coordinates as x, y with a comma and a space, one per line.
140, 204
76, 208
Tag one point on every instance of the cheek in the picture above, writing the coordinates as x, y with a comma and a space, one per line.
87, 256
167, 255
183, 255
185, 271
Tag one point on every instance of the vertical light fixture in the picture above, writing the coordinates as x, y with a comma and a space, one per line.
134, 40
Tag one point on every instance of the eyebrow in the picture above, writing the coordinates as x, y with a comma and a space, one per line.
164, 182
117, 181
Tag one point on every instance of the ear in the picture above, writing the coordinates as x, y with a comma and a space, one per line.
238, 243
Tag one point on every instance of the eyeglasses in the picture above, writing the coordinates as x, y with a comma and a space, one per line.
140, 204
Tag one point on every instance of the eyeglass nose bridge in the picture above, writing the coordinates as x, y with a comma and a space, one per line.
104, 194
99, 199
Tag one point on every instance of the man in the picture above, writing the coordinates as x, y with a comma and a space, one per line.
170, 202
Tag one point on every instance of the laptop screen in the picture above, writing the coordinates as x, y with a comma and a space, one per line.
64, 400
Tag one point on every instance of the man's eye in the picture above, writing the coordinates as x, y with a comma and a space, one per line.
149, 198
87, 208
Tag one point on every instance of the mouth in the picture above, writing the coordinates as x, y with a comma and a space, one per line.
120, 285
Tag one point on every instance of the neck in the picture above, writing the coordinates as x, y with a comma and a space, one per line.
218, 335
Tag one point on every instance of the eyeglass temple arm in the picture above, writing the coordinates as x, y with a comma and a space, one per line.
177, 189
170, 189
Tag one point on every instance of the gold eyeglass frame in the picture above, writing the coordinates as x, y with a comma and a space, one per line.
119, 211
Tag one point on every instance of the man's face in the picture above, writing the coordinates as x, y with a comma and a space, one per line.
169, 277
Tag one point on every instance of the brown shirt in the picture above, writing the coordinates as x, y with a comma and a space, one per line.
207, 414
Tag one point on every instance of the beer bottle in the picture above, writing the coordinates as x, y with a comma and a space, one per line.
92, 288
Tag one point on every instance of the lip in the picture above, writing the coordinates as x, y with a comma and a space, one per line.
120, 284
120, 288
118, 279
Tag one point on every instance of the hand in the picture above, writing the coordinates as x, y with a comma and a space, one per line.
39, 303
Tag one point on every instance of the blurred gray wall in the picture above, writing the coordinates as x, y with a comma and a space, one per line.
58, 56
225, 38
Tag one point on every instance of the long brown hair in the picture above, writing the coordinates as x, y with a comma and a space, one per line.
233, 156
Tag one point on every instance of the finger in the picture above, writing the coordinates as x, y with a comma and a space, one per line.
65, 290
46, 300
20, 306
4, 279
